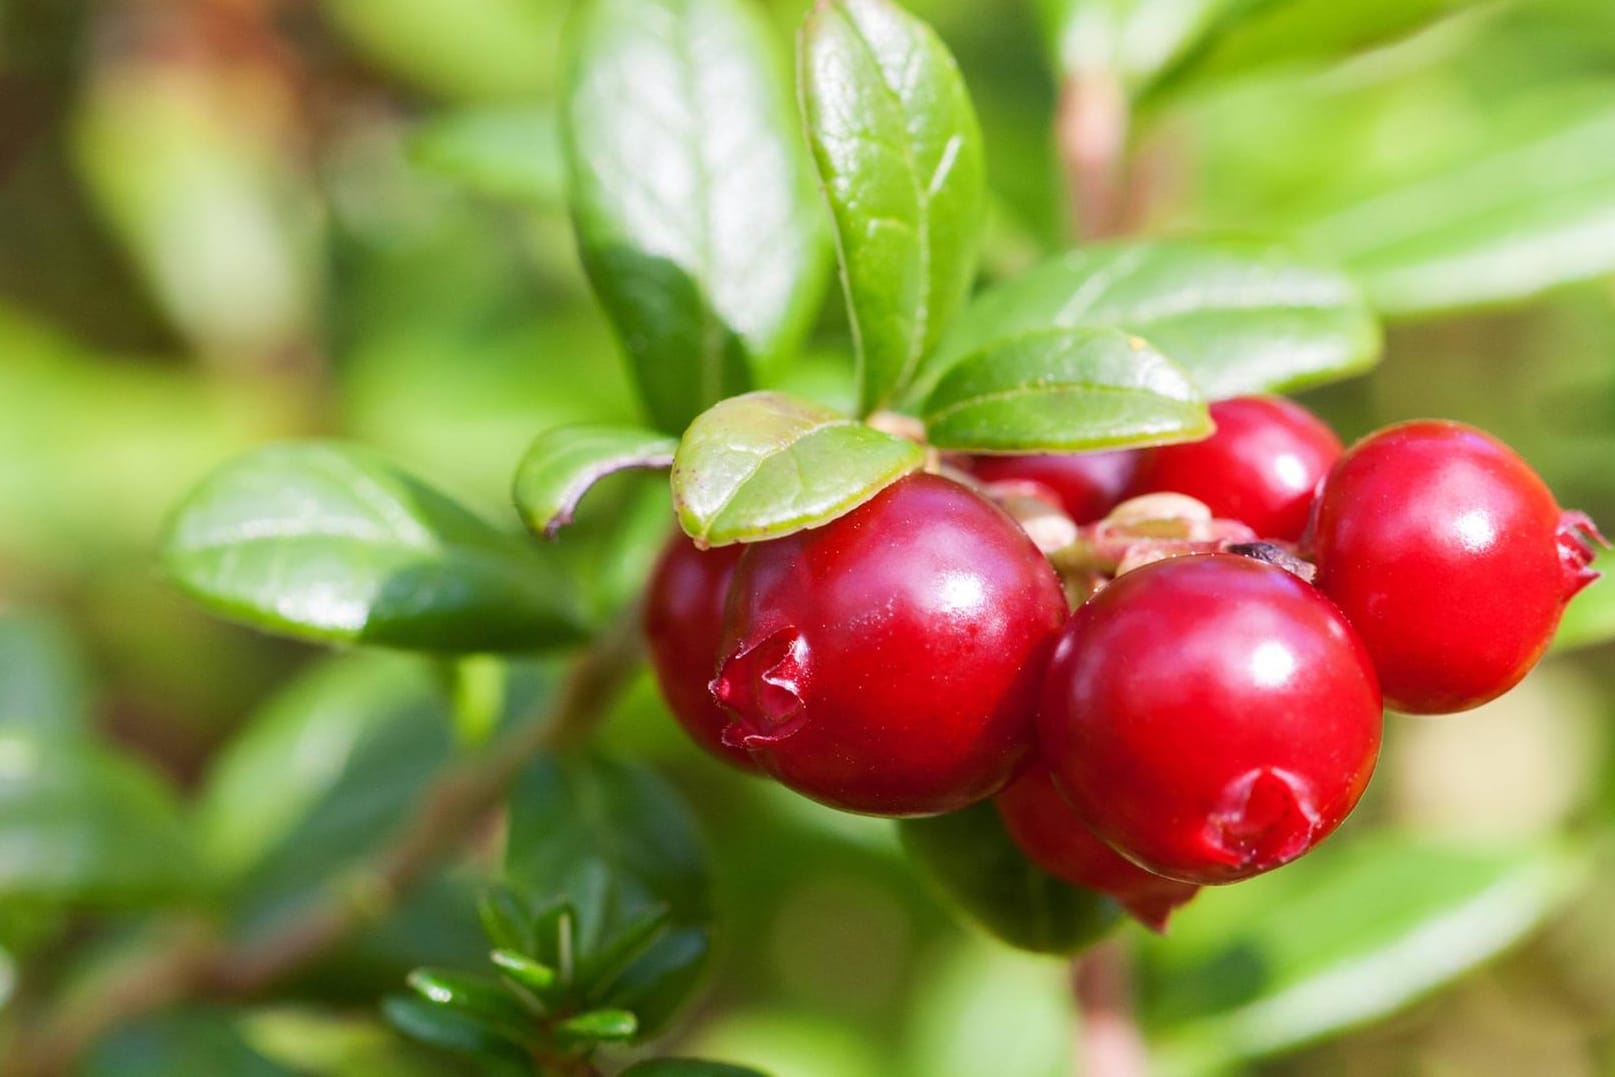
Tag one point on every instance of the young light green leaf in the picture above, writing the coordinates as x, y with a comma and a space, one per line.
1064, 390
511, 154
328, 542
533, 977
599, 1026
563, 463
1339, 939
973, 863
899, 154
81, 823
1507, 224
766, 464
691, 194
1237, 317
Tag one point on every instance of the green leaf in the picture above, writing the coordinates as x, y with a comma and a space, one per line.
599, 1025
81, 823
691, 194
1130, 38
505, 920
899, 153
1238, 317
765, 464
529, 974
511, 154
1344, 937
563, 463
598, 970
1590, 617
616, 843
328, 542
478, 997
43, 682
451, 1030
1064, 390
687, 1067
970, 859
1525, 214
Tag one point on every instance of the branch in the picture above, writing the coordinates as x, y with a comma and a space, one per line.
193, 962
1090, 131
1109, 1043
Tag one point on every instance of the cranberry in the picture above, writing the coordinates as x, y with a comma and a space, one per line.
1056, 839
683, 625
1261, 467
888, 661
1450, 558
1085, 485
1210, 717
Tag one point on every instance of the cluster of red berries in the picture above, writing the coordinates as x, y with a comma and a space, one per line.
1212, 707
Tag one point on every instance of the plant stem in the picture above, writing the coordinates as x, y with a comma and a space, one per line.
1090, 130
1109, 1043
193, 961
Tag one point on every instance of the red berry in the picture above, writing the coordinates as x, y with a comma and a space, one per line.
1261, 467
1056, 839
888, 661
683, 626
1210, 717
1085, 485
1450, 558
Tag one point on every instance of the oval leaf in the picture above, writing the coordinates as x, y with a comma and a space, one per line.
1337, 940
510, 154
328, 542
1516, 219
563, 463
899, 153
1064, 390
765, 464
1236, 317
599, 1025
691, 194
972, 861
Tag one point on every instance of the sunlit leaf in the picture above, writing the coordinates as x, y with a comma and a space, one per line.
563, 463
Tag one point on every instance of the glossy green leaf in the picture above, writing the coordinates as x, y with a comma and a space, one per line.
1339, 939
616, 843
1130, 38
82, 823
970, 859
563, 463
451, 1030
899, 153
1064, 390
480, 998
1590, 618
326, 541
687, 1067
1529, 212
692, 195
528, 974
43, 682
1238, 317
511, 154
765, 464
599, 1026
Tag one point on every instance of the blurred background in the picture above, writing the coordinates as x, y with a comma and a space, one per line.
224, 222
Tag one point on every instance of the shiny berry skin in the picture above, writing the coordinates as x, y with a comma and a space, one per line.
1451, 559
1261, 466
888, 662
1056, 839
683, 626
1210, 717
1085, 485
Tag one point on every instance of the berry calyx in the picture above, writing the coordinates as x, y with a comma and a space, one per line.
1210, 717
683, 624
888, 662
1261, 466
1055, 838
1084, 485
1451, 559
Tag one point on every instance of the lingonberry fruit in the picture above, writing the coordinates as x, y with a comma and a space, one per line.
1261, 466
888, 661
683, 626
1451, 559
1085, 485
1210, 717
1056, 839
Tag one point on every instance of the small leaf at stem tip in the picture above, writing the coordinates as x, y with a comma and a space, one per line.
598, 969
768, 464
562, 464
535, 977
602, 1025
505, 919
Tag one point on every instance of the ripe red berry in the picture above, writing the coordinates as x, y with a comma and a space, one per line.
1450, 558
1056, 839
888, 661
683, 626
1210, 717
1261, 466
1085, 485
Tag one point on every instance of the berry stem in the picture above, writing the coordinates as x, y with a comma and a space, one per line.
1109, 1043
